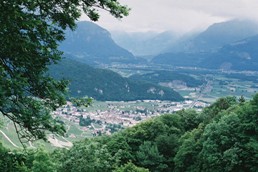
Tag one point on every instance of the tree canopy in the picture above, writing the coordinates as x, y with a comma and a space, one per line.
30, 32
223, 137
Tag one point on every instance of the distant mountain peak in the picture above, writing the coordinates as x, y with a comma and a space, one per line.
90, 27
145, 43
216, 36
220, 34
93, 44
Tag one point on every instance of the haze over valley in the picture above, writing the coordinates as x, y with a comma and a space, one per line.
223, 49
162, 86
135, 76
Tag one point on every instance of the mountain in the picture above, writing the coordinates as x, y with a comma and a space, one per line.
145, 43
92, 44
216, 36
102, 84
213, 38
240, 55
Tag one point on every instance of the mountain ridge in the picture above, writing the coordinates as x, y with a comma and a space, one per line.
92, 44
216, 36
106, 85
240, 55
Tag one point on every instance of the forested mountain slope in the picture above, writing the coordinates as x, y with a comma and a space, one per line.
223, 137
163, 76
102, 84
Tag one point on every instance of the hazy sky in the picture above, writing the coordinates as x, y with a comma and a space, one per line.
180, 16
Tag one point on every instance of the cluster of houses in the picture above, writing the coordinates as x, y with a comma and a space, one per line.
122, 114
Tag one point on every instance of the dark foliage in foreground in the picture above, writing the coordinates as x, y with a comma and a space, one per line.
223, 137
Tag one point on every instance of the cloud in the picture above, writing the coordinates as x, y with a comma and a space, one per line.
228, 8
180, 16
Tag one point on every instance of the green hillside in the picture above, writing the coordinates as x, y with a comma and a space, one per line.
104, 84
168, 76
223, 137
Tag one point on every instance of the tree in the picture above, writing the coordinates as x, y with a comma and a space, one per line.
190, 119
118, 143
227, 143
12, 160
88, 156
231, 144
30, 32
42, 162
130, 167
149, 157
167, 146
187, 154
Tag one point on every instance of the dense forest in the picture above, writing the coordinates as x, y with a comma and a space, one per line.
106, 85
168, 76
223, 137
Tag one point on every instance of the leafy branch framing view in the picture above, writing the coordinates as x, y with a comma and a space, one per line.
30, 33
